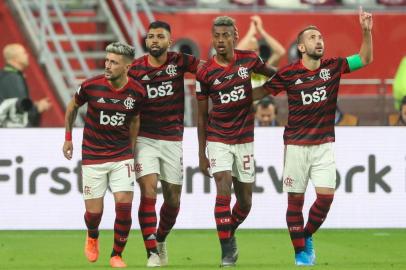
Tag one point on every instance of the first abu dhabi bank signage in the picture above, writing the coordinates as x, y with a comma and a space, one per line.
40, 189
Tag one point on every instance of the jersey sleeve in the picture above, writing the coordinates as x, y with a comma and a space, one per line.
190, 63
344, 68
259, 65
202, 87
275, 84
81, 96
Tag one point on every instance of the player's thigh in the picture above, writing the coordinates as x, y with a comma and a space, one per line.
220, 157
147, 153
323, 169
171, 162
95, 178
122, 176
243, 167
296, 168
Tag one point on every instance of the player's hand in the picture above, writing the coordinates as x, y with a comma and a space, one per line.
68, 149
365, 19
252, 31
257, 22
204, 166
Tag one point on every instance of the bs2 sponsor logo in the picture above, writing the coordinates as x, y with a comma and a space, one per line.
165, 89
318, 95
237, 94
113, 120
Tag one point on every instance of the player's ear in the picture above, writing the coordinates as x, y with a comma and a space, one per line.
301, 48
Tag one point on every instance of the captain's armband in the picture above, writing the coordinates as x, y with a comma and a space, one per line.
354, 62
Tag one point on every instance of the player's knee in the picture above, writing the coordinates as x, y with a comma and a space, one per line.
246, 204
173, 200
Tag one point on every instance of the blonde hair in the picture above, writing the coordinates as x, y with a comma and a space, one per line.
121, 49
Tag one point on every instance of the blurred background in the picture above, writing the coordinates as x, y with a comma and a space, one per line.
65, 40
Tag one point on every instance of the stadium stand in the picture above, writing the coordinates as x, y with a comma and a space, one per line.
95, 23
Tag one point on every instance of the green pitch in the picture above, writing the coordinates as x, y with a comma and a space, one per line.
199, 249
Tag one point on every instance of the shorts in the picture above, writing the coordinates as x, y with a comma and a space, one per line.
237, 158
118, 175
161, 157
304, 162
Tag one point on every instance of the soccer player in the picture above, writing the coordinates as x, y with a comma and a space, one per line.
111, 127
312, 86
159, 144
228, 129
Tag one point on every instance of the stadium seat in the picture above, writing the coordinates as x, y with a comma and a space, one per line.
177, 3
290, 4
248, 2
392, 2
364, 3
320, 2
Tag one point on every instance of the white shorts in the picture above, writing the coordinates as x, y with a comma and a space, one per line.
160, 157
118, 175
304, 162
237, 158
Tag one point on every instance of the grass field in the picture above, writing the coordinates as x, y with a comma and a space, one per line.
199, 249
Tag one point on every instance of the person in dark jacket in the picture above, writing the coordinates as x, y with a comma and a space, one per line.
13, 84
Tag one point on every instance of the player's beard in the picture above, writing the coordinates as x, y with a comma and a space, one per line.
315, 55
111, 78
156, 53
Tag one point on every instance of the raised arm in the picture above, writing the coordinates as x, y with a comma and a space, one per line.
366, 50
202, 115
246, 42
277, 49
134, 128
70, 116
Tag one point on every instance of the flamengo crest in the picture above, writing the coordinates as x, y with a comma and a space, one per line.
171, 70
325, 74
243, 72
129, 103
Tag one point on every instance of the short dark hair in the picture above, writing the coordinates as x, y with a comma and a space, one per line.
300, 36
225, 21
265, 102
160, 24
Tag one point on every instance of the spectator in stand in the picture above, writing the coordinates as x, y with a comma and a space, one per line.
266, 112
250, 42
399, 119
13, 84
399, 83
255, 33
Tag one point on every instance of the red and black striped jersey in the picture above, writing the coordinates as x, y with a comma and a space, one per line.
312, 99
163, 111
106, 135
231, 119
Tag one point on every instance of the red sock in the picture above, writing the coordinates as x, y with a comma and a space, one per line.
92, 221
147, 219
318, 213
237, 217
167, 219
223, 217
122, 226
294, 219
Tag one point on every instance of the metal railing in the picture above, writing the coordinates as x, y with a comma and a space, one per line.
134, 27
